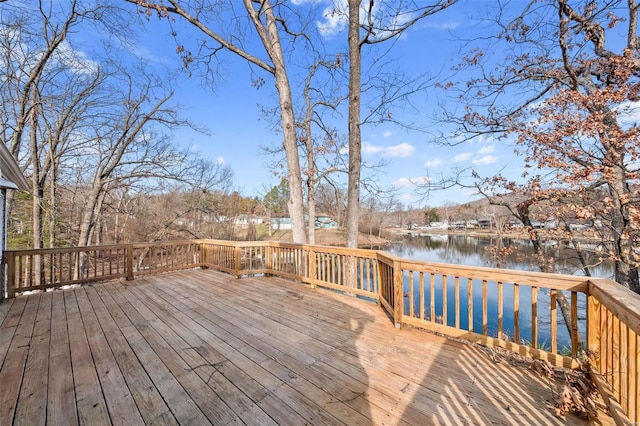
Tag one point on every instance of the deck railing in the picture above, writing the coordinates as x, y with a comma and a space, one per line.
558, 318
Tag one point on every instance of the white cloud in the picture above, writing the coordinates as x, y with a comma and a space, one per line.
629, 112
465, 156
402, 150
75, 60
387, 134
371, 149
335, 19
442, 25
487, 149
487, 159
408, 182
433, 163
220, 160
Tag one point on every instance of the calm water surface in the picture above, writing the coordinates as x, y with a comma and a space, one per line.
476, 251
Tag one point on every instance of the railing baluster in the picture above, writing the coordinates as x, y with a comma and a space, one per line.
444, 299
554, 321
457, 300
422, 302
500, 311
470, 304
516, 313
485, 322
411, 313
634, 372
616, 358
574, 324
432, 299
534, 317
623, 366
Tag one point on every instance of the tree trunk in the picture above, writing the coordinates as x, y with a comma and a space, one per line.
355, 153
290, 143
311, 210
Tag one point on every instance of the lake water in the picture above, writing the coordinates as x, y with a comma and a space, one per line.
477, 251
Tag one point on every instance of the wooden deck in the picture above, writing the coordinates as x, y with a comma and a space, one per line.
201, 347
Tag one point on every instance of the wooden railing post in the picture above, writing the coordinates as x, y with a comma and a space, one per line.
129, 251
312, 267
268, 261
238, 261
398, 299
10, 277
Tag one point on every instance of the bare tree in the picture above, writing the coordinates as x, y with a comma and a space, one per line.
371, 23
322, 152
266, 19
127, 148
565, 89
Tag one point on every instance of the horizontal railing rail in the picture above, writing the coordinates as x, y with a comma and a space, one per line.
158, 257
547, 316
40, 269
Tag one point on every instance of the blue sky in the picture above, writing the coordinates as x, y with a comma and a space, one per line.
231, 112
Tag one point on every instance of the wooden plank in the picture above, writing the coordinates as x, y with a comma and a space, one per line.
151, 406
15, 308
177, 399
208, 402
119, 400
92, 408
254, 348
61, 400
32, 402
329, 333
10, 324
13, 367
5, 306
249, 303
228, 394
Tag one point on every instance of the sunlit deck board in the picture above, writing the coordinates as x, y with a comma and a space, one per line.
199, 347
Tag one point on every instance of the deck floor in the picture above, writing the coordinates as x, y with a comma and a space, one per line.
201, 347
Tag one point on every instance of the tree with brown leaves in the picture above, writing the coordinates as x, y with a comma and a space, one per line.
566, 94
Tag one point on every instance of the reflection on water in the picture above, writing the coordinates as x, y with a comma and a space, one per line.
477, 251
473, 250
